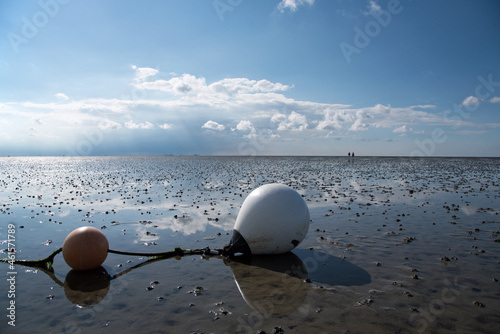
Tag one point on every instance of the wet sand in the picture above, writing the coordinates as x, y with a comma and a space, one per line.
395, 245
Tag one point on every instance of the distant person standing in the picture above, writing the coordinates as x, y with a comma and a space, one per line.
349, 154
352, 153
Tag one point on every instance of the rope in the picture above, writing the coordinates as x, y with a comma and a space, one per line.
176, 252
47, 262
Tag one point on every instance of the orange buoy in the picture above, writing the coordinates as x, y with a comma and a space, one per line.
85, 248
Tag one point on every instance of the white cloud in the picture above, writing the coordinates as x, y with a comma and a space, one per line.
402, 129
213, 126
358, 125
232, 86
278, 118
165, 126
378, 116
109, 125
363, 117
380, 109
293, 4
373, 8
190, 84
87, 105
495, 99
182, 85
471, 101
246, 125
292, 122
334, 119
381, 116
132, 125
61, 96
142, 73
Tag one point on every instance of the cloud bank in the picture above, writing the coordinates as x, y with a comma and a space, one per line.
188, 110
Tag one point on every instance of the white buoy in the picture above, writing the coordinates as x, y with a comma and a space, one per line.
273, 219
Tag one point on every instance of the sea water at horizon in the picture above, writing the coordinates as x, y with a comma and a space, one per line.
407, 245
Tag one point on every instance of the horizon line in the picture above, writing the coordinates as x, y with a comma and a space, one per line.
243, 156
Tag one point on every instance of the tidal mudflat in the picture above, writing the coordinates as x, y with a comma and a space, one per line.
396, 245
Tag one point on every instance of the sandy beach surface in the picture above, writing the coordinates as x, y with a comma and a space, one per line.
395, 245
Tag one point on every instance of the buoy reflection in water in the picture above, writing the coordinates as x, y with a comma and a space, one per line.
86, 288
272, 285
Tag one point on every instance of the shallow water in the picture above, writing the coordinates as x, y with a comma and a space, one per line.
395, 245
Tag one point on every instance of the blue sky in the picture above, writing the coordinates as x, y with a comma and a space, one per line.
251, 77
